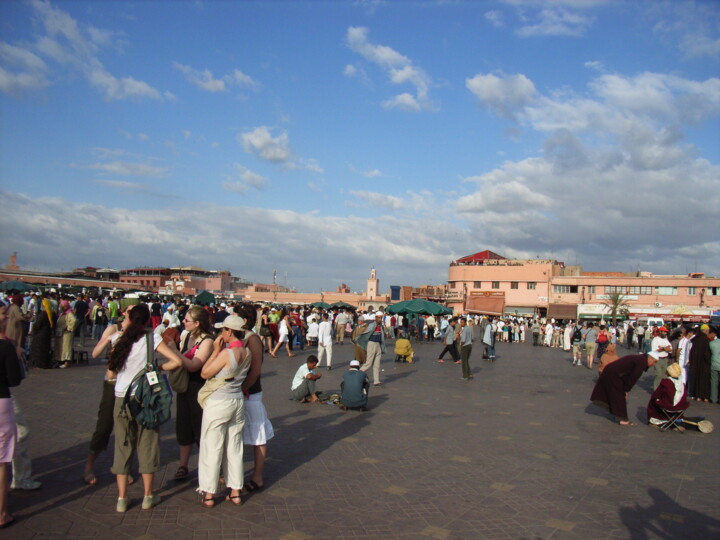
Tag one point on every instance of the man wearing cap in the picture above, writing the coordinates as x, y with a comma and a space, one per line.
354, 388
662, 346
617, 379
372, 340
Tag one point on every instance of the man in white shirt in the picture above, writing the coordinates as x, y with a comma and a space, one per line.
340, 322
661, 345
325, 341
303, 385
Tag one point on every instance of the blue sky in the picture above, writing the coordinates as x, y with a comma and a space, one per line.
324, 138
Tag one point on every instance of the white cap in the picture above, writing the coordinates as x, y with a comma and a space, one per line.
233, 322
379, 314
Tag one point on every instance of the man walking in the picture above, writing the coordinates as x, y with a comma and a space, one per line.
465, 348
449, 341
325, 341
373, 341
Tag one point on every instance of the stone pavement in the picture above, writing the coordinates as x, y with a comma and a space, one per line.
518, 452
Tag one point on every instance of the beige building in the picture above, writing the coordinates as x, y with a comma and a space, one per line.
488, 283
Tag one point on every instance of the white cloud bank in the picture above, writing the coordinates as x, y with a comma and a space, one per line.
313, 249
206, 81
614, 160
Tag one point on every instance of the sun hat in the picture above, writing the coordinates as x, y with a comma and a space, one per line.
233, 322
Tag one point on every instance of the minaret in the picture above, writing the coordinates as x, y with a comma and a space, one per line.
371, 289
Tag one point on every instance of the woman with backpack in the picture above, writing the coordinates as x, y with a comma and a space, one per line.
127, 358
602, 340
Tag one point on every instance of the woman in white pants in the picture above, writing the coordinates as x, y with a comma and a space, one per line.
221, 440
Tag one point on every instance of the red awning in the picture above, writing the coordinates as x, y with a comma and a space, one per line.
486, 305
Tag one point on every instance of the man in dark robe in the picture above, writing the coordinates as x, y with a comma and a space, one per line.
699, 365
617, 379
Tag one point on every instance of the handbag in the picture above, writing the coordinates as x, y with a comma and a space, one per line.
213, 384
178, 379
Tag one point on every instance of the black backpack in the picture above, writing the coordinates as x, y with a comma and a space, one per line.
151, 404
577, 335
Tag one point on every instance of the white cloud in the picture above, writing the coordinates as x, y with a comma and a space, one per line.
374, 173
247, 179
202, 79
22, 70
260, 142
379, 199
557, 22
399, 69
350, 70
406, 102
505, 95
206, 81
495, 17
76, 47
127, 168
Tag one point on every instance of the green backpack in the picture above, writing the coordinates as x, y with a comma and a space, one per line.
151, 403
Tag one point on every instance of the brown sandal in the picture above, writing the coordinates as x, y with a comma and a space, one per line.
208, 503
235, 499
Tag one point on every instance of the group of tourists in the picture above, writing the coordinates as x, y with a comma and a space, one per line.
213, 357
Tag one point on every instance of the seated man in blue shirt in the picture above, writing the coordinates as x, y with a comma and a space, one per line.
354, 388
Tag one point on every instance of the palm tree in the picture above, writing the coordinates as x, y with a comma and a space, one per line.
617, 304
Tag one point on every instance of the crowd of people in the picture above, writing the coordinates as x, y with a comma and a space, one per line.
213, 357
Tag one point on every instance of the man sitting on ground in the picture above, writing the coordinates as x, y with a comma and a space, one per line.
354, 388
303, 385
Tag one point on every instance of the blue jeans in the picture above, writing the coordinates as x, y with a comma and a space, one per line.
298, 338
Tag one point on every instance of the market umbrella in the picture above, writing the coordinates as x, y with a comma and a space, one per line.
15, 285
205, 298
343, 305
320, 305
420, 307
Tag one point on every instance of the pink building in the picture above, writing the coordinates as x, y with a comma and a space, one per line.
488, 283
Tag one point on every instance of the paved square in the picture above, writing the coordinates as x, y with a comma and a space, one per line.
518, 452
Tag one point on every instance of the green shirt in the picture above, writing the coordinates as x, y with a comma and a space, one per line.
715, 354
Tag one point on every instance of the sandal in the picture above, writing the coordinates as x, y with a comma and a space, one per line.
208, 503
181, 473
627, 423
235, 499
251, 485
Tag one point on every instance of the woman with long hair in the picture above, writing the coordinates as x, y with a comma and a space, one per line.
284, 334
127, 358
221, 444
196, 346
258, 429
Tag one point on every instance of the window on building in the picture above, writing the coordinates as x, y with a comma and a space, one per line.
514, 285
564, 289
666, 291
591, 289
692, 291
532, 285
610, 289
495, 284
477, 284
639, 290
